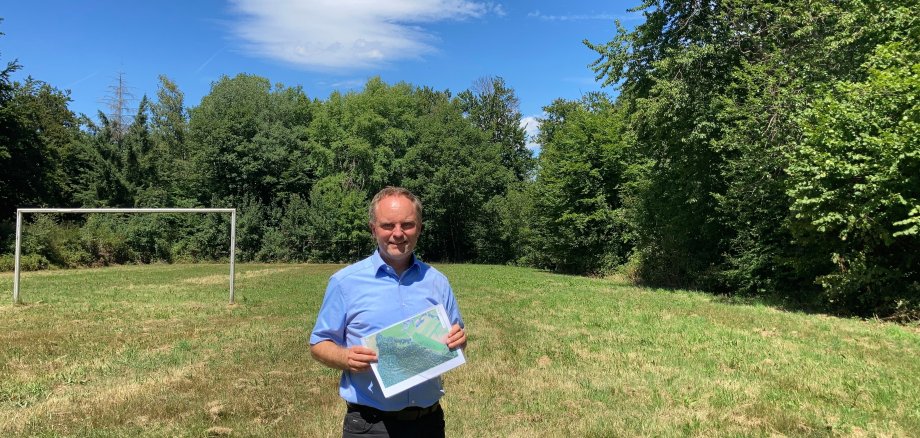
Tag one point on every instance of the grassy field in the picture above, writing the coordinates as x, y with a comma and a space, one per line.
157, 351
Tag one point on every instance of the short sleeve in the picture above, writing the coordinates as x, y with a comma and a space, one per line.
450, 305
330, 322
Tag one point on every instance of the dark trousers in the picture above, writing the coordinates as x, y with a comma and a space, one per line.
369, 422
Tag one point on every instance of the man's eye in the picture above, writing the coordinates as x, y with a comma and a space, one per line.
388, 226
408, 225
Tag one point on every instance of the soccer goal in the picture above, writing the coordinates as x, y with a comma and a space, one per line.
21, 211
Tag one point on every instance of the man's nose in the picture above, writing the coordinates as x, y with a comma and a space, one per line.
398, 231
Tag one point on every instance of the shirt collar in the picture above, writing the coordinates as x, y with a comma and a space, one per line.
379, 263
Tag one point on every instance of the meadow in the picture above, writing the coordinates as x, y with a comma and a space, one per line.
157, 351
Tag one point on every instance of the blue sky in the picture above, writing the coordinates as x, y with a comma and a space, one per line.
321, 45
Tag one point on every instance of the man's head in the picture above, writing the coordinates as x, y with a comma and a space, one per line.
396, 222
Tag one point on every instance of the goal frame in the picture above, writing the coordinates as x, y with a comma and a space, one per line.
20, 211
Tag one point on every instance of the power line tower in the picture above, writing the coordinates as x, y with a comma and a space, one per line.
118, 102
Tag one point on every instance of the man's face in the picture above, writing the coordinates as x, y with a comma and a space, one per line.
396, 229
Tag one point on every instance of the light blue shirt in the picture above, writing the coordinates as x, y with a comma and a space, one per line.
368, 296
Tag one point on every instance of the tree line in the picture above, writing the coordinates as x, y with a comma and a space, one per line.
757, 149
299, 170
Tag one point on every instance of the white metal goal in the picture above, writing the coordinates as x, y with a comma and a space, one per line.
21, 211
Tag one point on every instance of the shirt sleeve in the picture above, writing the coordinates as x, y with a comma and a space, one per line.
330, 322
450, 305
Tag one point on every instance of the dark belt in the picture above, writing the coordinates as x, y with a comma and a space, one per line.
407, 414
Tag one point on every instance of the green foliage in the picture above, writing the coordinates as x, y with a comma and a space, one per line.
576, 227
251, 226
493, 107
455, 169
35, 125
92, 166
722, 192
768, 86
245, 140
104, 239
56, 242
754, 148
209, 240
27, 262
855, 181
671, 69
337, 221
505, 235
289, 240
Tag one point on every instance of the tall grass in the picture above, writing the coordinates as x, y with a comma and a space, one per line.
156, 351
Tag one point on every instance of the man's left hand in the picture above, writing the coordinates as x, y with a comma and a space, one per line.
456, 338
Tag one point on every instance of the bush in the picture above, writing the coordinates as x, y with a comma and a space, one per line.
104, 239
27, 262
58, 242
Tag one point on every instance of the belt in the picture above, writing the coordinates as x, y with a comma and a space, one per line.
407, 414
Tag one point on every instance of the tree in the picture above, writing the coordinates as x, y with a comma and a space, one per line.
95, 168
118, 103
855, 181
171, 157
35, 126
455, 169
338, 222
576, 226
716, 94
138, 165
9, 130
245, 140
671, 70
492, 107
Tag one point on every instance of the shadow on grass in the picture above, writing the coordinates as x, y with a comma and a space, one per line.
798, 304
806, 303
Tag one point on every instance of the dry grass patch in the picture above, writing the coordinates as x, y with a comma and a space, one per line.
71, 404
223, 279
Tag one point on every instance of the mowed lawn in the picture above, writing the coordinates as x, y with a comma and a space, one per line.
157, 351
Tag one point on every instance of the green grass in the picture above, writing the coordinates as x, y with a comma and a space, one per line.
156, 351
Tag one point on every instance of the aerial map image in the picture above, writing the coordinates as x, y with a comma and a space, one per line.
412, 351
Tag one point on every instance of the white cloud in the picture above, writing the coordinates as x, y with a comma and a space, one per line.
497, 9
345, 84
579, 17
531, 127
346, 34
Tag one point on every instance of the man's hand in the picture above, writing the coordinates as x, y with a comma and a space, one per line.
358, 358
456, 338
355, 359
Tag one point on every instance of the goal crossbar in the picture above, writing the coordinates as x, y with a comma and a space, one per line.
21, 211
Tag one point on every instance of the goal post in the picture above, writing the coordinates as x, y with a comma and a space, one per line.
21, 211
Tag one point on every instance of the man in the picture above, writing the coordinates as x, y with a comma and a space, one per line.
387, 287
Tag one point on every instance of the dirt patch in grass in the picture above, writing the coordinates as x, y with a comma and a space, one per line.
139, 287
223, 278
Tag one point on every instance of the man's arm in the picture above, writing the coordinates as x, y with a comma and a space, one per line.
354, 359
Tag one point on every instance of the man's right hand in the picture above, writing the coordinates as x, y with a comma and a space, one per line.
358, 358
354, 359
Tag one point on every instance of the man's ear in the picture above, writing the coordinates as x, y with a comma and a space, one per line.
370, 227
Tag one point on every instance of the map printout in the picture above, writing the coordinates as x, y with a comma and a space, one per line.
413, 351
